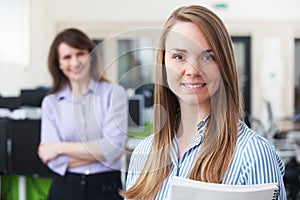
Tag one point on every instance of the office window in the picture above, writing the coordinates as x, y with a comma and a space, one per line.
135, 62
99, 48
297, 75
14, 23
243, 62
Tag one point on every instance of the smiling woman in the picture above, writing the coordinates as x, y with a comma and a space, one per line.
191, 67
84, 122
74, 64
204, 137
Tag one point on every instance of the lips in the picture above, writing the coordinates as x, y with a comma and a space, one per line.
194, 85
76, 71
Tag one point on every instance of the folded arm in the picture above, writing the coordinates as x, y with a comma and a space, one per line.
80, 153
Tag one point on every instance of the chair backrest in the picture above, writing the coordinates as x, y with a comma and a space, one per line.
271, 128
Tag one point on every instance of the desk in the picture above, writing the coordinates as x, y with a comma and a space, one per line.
288, 129
284, 149
287, 125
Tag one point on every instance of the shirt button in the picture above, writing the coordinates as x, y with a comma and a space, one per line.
83, 182
201, 123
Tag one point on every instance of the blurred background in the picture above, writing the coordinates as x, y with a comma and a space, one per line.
265, 34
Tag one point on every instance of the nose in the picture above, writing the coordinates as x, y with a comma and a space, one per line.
192, 69
75, 62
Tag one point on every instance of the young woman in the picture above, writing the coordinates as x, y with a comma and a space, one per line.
199, 133
84, 122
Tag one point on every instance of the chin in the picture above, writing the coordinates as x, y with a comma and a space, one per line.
191, 101
197, 101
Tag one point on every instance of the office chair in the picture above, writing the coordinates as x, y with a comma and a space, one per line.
267, 130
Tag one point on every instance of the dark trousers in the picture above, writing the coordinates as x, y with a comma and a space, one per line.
102, 186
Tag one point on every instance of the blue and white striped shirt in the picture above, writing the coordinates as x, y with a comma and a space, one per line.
254, 162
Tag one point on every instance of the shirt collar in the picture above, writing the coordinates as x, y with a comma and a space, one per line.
201, 127
66, 92
94, 86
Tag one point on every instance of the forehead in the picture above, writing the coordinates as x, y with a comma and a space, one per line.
186, 35
64, 48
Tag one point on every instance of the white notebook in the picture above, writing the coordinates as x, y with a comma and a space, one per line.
187, 189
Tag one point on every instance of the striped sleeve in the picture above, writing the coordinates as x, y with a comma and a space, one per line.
137, 161
255, 161
261, 164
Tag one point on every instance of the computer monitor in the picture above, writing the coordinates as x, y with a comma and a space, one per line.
10, 103
136, 105
4, 127
147, 90
33, 97
23, 159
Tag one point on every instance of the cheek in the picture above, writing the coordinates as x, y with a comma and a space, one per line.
215, 76
85, 60
65, 72
62, 65
216, 80
212, 73
172, 76
86, 67
172, 69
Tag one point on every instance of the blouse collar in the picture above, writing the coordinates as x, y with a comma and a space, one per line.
66, 92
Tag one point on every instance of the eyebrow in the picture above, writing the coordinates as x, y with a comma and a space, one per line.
176, 49
184, 51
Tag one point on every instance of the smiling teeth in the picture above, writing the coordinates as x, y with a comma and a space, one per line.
194, 86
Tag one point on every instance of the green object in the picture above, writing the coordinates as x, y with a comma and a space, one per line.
220, 5
142, 134
9, 187
36, 188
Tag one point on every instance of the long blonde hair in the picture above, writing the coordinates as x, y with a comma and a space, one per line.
221, 134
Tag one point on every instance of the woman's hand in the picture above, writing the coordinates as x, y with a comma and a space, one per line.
48, 151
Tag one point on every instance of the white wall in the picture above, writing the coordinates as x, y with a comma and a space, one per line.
271, 24
18, 75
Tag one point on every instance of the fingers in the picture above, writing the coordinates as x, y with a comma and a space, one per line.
42, 154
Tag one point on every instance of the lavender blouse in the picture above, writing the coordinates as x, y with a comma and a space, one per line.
101, 116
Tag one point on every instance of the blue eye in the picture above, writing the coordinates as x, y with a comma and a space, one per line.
178, 57
208, 57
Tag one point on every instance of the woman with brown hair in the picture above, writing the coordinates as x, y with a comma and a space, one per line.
84, 122
199, 132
